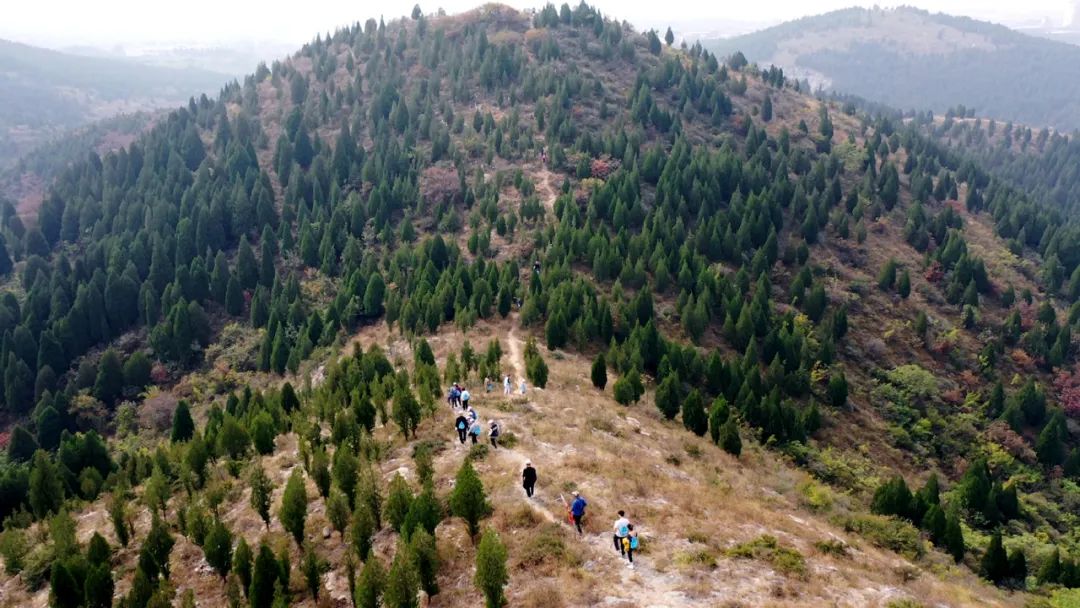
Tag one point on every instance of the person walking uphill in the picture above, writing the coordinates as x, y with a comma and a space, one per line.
577, 510
464, 398
630, 543
493, 433
528, 479
474, 431
622, 530
462, 426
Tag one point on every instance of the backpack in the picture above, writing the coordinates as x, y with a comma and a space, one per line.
633, 542
623, 531
461, 424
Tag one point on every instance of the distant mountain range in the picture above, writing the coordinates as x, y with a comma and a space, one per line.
44, 93
912, 59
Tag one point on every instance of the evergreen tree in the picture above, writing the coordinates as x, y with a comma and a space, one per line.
892, 498
398, 501
46, 494
361, 528
491, 575
838, 389
693, 413
767, 109
599, 371
264, 574
247, 271
1050, 446
537, 370
109, 384
337, 511
241, 564
218, 548
468, 499
183, 427
234, 297
1050, 570
954, 537
98, 588
729, 438
312, 568
903, 286
425, 556
22, 445
369, 588
64, 590
995, 563
293, 513
402, 582
668, 396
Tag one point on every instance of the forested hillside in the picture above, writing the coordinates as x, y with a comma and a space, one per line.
914, 60
45, 93
246, 320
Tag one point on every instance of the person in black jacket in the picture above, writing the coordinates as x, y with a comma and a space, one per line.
462, 426
528, 479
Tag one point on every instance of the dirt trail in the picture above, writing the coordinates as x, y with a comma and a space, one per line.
647, 586
545, 188
517, 358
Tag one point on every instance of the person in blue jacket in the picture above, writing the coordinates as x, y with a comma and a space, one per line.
577, 510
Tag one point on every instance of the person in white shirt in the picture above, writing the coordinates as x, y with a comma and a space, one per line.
621, 529
506, 385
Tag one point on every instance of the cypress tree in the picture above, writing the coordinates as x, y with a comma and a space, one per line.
729, 437
241, 564
425, 557
1050, 570
995, 563
402, 582
398, 501
599, 371
98, 588
46, 495
668, 396
491, 575
954, 537
468, 499
361, 529
293, 513
693, 413
234, 297
109, 384
183, 427
264, 575
217, 546
369, 588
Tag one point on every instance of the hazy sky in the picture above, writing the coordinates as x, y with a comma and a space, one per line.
60, 23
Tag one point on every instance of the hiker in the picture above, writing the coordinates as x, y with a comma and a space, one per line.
488, 384
475, 431
622, 529
464, 398
471, 413
528, 479
577, 510
506, 385
493, 433
631, 544
454, 396
522, 386
462, 426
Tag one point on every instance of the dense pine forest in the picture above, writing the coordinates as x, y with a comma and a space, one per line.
856, 295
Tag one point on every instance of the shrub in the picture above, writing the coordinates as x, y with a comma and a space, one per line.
766, 548
888, 533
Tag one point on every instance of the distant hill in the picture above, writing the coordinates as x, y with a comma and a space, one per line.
910, 58
45, 93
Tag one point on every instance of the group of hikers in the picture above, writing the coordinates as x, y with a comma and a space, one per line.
625, 536
467, 424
